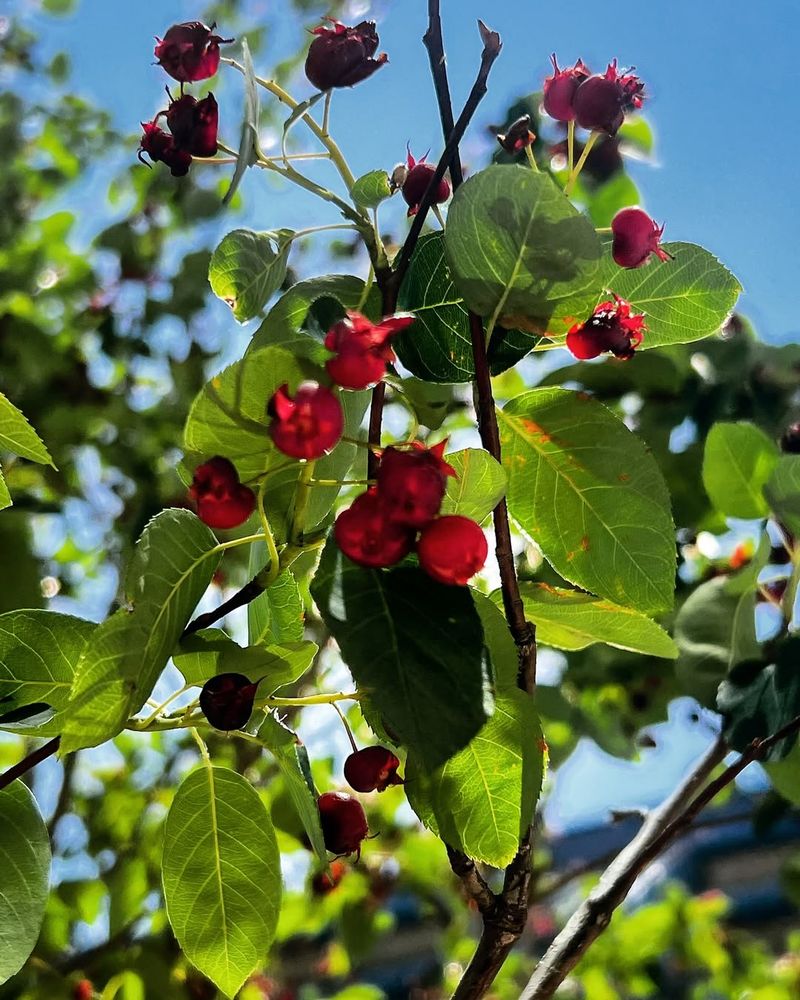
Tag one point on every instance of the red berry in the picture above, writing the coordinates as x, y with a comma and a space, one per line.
190, 51
372, 769
601, 102
222, 501
161, 148
519, 135
83, 990
341, 57
416, 184
560, 88
366, 533
308, 425
227, 701
344, 823
452, 549
362, 349
636, 237
194, 124
323, 883
412, 483
611, 327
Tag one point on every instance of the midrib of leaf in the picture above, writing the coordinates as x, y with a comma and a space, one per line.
514, 271
217, 859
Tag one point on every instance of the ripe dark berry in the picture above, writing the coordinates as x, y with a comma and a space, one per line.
194, 124
341, 57
323, 883
412, 483
372, 769
363, 349
790, 440
227, 701
601, 102
344, 823
221, 500
366, 533
636, 238
308, 425
611, 327
452, 549
416, 184
560, 88
519, 135
161, 148
190, 51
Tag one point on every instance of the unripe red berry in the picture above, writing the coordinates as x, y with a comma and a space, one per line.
519, 135
221, 500
636, 237
227, 701
372, 769
560, 88
194, 124
308, 425
341, 57
323, 883
161, 148
412, 483
790, 440
601, 102
362, 348
190, 51
452, 549
416, 184
344, 823
83, 990
366, 533
611, 327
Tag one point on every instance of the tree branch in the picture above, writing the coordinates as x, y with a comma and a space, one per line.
249, 592
29, 762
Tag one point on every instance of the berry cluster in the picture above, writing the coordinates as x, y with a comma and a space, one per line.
597, 102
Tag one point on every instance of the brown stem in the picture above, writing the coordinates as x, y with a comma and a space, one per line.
249, 592
29, 762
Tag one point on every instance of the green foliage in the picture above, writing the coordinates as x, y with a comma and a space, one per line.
738, 461
247, 268
276, 615
371, 189
477, 487
782, 491
210, 652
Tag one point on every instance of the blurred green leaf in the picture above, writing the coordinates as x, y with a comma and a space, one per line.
782, 492
737, 462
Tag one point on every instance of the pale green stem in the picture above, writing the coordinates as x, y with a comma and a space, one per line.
326, 114
340, 482
575, 174
202, 747
272, 551
367, 287
571, 146
532, 159
322, 229
160, 708
302, 497
346, 725
438, 213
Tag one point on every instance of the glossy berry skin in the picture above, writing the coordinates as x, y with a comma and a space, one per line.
221, 500
308, 425
194, 124
636, 238
601, 102
341, 57
416, 184
323, 883
412, 483
189, 51
611, 327
161, 148
344, 823
519, 136
363, 349
368, 536
372, 769
227, 701
452, 549
790, 440
560, 88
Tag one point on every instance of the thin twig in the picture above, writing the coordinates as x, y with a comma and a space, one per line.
249, 592
29, 762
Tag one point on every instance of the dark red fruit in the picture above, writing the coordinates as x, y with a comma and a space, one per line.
611, 327
416, 184
341, 57
363, 349
412, 483
790, 440
194, 124
221, 500
560, 88
452, 549
636, 238
323, 883
601, 102
344, 823
227, 700
307, 426
372, 769
190, 51
161, 148
83, 990
519, 135
366, 533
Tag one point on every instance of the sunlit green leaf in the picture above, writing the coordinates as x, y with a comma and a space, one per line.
479, 484
371, 189
782, 491
17, 435
247, 268
738, 461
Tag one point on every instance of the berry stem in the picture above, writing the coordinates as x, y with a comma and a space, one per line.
302, 496
532, 159
274, 566
326, 114
340, 482
571, 146
347, 728
160, 708
439, 217
575, 174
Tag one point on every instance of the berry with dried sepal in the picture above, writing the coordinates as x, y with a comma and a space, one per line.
611, 327
341, 56
368, 536
372, 769
308, 425
344, 823
194, 124
560, 89
227, 701
412, 483
452, 549
161, 148
221, 500
363, 349
190, 51
636, 238
601, 102
519, 135
416, 184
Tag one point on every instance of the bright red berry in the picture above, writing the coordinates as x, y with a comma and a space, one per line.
412, 483
344, 823
363, 349
601, 102
341, 57
222, 501
372, 769
307, 426
323, 883
194, 124
519, 135
83, 990
611, 327
227, 701
560, 88
366, 533
452, 549
190, 51
416, 184
161, 148
636, 237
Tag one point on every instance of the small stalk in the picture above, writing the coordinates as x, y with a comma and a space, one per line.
575, 174
532, 159
346, 725
571, 146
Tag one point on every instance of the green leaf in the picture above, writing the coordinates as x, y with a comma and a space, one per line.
684, 299
520, 252
616, 193
221, 875
737, 463
247, 268
590, 494
173, 564
18, 437
480, 485
785, 775
571, 620
210, 652
414, 645
277, 615
248, 143
39, 651
25, 862
438, 346
5, 496
292, 758
371, 189
431, 401
783, 492
501, 645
